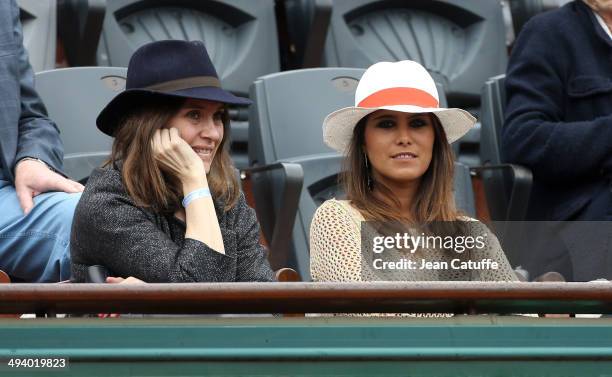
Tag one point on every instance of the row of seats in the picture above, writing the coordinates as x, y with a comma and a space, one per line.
461, 42
292, 171
278, 141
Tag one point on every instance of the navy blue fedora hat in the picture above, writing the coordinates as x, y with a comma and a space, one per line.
166, 68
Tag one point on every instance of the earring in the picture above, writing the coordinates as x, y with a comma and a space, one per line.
367, 166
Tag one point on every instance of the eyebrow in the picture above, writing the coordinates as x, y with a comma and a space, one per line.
199, 107
393, 116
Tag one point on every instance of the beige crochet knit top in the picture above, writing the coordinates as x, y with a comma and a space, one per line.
336, 255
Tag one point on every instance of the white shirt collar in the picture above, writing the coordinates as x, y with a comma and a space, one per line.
602, 23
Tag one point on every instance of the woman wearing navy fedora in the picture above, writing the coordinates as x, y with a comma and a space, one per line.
167, 206
399, 173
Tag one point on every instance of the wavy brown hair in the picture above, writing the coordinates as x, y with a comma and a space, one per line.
434, 199
146, 183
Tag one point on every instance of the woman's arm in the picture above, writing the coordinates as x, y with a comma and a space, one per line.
492, 250
335, 245
179, 159
110, 230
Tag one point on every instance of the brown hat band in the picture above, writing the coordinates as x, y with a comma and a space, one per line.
185, 83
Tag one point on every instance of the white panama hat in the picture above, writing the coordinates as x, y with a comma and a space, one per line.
400, 86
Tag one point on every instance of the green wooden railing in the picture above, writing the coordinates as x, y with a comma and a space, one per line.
314, 345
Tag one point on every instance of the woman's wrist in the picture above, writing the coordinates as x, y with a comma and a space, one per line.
195, 195
193, 183
195, 173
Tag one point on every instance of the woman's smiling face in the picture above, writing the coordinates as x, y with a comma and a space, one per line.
200, 124
398, 145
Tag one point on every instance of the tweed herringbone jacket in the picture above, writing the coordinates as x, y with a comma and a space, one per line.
110, 230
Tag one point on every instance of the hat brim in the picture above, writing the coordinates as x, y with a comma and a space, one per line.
130, 99
338, 126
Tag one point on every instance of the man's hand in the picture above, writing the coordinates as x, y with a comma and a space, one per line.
33, 178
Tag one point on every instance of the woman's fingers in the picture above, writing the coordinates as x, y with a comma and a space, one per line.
114, 280
174, 154
132, 280
177, 142
174, 134
156, 143
165, 138
120, 280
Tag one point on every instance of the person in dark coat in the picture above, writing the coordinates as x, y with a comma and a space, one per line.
167, 207
559, 124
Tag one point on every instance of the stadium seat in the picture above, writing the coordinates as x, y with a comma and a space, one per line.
85, 91
492, 117
307, 27
38, 21
79, 26
286, 127
461, 42
507, 186
523, 10
240, 36
321, 173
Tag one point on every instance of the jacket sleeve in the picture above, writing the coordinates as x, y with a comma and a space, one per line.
110, 230
251, 257
38, 135
535, 133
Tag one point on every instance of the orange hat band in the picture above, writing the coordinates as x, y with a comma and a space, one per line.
399, 96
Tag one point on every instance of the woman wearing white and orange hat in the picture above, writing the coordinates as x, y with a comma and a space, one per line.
399, 168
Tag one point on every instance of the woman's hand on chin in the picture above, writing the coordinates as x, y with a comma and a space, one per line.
176, 156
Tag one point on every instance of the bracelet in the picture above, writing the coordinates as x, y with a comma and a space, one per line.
196, 194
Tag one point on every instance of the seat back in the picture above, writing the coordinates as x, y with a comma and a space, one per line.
79, 25
496, 182
289, 108
85, 91
493, 104
240, 37
321, 173
286, 125
523, 10
38, 22
462, 42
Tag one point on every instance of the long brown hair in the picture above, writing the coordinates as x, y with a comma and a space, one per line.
434, 199
144, 180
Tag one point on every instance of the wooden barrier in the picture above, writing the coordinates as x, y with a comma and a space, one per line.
4, 278
213, 298
313, 346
